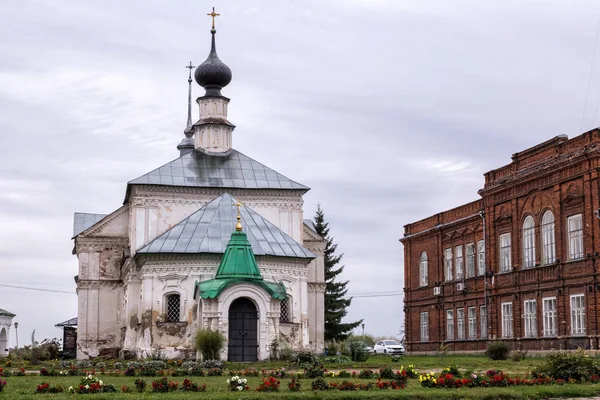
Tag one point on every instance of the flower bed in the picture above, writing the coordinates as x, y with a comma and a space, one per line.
491, 378
237, 384
270, 384
2, 384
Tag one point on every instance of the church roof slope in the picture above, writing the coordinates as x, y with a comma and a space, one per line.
208, 231
82, 221
234, 170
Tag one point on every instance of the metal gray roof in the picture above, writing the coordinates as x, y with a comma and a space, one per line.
208, 231
82, 221
70, 322
310, 224
234, 170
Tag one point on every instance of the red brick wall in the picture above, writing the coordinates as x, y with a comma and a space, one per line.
559, 175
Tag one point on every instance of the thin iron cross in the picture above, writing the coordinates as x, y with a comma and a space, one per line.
190, 67
213, 14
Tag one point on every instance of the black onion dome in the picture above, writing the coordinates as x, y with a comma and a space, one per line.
213, 74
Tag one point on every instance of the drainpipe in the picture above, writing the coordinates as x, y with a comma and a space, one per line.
485, 284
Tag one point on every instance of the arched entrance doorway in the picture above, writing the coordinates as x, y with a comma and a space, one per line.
243, 331
3, 342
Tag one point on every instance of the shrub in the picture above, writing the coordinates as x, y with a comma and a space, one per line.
314, 371
386, 373
212, 364
180, 372
518, 356
209, 343
332, 349
118, 365
125, 389
45, 387
497, 351
306, 358
336, 360
237, 384
140, 385
344, 374
294, 385
366, 374
319, 384
2, 384
189, 386
358, 352
562, 365
214, 372
164, 385
453, 370
130, 371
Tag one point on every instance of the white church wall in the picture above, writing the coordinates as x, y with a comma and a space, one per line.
5, 324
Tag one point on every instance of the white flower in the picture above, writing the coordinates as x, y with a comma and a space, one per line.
228, 381
244, 380
100, 382
240, 388
87, 386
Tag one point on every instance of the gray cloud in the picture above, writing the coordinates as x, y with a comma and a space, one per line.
390, 111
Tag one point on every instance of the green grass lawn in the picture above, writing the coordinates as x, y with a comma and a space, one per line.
24, 387
217, 388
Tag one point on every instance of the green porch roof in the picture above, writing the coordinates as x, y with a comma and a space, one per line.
5, 313
238, 265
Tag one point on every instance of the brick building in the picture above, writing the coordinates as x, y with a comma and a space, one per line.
519, 264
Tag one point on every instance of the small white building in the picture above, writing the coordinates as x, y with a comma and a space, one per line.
141, 265
6, 318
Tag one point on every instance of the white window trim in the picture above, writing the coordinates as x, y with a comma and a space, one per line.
423, 270
460, 324
505, 253
575, 238
448, 272
480, 257
578, 321
507, 321
470, 264
424, 326
530, 318
550, 317
548, 239
472, 315
449, 325
528, 242
459, 262
483, 328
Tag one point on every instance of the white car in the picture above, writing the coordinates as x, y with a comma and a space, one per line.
388, 347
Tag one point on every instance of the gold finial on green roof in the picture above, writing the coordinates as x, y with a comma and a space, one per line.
238, 226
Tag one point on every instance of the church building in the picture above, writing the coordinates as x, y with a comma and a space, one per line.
211, 240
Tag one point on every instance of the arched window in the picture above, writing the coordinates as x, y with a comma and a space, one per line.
285, 311
548, 239
423, 269
528, 242
173, 305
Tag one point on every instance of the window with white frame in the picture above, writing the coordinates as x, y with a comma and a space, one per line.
549, 311
460, 323
483, 322
472, 314
577, 314
530, 318
173, 307
507, 320
423, 269
449, 325
548, 239
480, 257
448, 264
470, 260
575, 226
424, 326
458, 262
285, 312
505, 256
528, 242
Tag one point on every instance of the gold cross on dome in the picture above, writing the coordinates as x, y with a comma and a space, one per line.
238, 226
213, 14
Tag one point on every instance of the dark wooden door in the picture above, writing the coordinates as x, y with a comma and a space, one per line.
243, 331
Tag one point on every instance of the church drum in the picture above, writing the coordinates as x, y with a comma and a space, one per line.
243, 331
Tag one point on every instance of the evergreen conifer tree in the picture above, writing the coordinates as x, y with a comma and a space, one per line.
336, 302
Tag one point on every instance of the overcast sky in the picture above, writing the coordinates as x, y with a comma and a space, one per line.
389, 110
